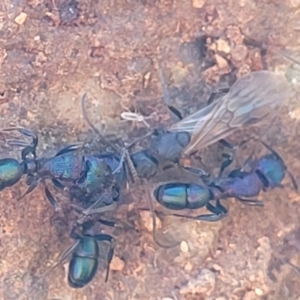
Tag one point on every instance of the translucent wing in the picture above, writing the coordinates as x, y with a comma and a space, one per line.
251, 101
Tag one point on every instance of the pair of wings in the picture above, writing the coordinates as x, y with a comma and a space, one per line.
251, 101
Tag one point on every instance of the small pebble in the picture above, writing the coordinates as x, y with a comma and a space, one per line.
258, 292
21, 18
221, 62
294, 3
146, 217
184, 247
198, 3
242, 3
217, 267
188, 267
223, 46
117, 264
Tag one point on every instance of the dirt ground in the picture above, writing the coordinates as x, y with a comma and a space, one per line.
54, 51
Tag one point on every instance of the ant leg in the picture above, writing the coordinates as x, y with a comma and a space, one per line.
251, 202
122, 159
166, 94
91, 210
32, 186
75, 236
33, 183
67, 252
175, 111
262, 178
17, 143
69, 148
211, 98
218, 213
50, 198
215, 93
87, 168
107, 223
111, 240
58, 184
28, 148
131, 167
226, 163
197, 171
226, 144
295, 185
